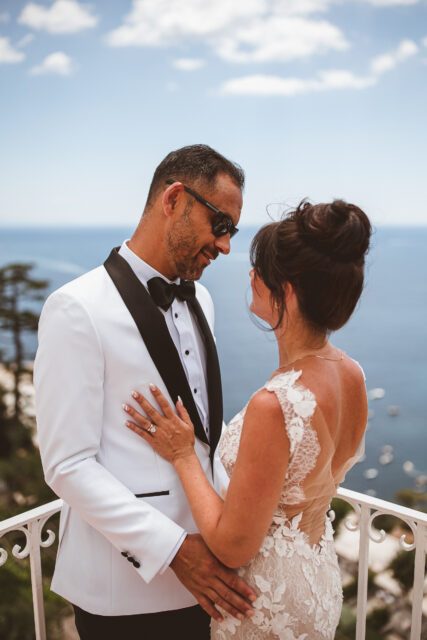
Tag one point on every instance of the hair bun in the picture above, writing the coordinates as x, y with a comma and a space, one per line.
339, 230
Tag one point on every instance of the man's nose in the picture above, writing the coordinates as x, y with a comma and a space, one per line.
223, 244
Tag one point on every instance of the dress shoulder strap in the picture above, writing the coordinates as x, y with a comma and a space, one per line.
298, 405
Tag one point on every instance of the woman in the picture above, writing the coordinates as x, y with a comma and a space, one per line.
290, 447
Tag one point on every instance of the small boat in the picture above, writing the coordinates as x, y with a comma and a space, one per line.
386, 458
393, 410
370, 474
408, 467
376, 394
387, 448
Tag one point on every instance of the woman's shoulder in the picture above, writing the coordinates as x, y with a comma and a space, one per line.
264, 404
264, 414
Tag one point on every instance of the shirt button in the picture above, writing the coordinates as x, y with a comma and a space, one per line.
187, 353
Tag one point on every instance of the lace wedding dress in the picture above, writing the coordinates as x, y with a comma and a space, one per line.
296, 570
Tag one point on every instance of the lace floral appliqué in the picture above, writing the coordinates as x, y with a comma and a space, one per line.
298, 405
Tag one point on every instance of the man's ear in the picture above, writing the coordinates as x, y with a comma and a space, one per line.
171, 197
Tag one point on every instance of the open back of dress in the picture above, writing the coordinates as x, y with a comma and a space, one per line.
296, 570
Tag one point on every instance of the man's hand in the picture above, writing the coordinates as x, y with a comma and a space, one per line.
210, 582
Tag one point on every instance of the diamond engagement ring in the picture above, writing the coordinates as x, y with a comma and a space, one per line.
152, 428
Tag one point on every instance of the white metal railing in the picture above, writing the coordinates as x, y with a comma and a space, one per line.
31, 524
366, 509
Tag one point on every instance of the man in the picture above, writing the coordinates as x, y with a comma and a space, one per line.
129, 557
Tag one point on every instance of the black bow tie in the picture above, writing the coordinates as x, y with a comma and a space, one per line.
164, 293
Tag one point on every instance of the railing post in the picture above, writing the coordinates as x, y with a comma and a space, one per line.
36, 579
420, 540
362, 579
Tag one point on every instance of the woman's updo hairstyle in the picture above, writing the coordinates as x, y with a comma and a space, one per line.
319, 249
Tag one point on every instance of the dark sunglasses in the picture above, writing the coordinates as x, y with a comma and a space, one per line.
221, 222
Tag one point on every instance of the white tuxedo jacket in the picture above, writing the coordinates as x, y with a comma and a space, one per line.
120, 496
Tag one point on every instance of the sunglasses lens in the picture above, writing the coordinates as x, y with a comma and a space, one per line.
218, 226
223, 225
221, 229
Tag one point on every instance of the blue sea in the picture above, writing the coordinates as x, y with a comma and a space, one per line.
387, 333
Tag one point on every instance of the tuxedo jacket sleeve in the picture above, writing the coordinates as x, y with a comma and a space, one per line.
69, 381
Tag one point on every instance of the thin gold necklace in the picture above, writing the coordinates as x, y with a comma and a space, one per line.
312, 355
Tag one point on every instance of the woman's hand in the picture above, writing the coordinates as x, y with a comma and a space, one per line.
170, 435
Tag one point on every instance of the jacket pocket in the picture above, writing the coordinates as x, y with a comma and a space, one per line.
152, 494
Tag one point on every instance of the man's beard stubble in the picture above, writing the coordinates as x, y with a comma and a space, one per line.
182, 249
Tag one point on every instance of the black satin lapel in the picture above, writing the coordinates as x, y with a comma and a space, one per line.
154, 332
214, 377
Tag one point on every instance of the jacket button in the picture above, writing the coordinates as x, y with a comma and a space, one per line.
136, 564
129, 559
125, 554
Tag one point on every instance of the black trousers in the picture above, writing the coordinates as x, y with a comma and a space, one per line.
189, 624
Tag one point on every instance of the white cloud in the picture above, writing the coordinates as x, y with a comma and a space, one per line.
25, 41
302, 7
269, 85
237, 31
388, 61
63, 16
4, 17
279, 38
161, 22
264, 85
342, 79
8, 53
188, 64
57, 63
425, 41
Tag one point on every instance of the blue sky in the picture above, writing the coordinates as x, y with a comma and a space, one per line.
314, 98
